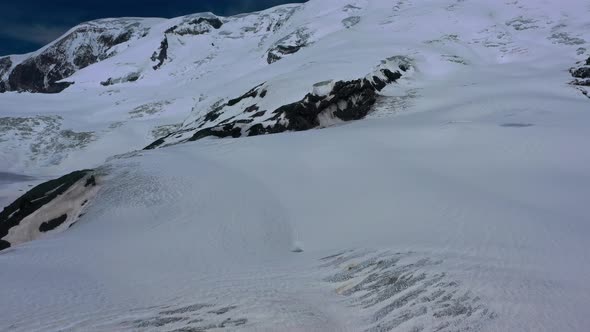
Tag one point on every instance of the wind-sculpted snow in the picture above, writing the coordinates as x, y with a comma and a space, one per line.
288, 45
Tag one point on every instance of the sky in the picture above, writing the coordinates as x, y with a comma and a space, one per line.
27, 25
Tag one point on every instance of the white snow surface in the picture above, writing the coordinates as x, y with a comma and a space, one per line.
472, 175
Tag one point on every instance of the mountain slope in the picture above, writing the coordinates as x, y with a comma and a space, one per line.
455, 200
209, 60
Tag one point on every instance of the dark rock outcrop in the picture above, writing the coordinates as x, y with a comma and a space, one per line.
110, 40
253, 93
348, 100
581, 75
33, 200
330, 102
161, 55
53, 223
91, 181
30, 75
288, 45
279, 51
212, 21
195, 27
582, 72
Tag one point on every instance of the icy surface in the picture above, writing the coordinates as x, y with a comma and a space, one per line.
459, 203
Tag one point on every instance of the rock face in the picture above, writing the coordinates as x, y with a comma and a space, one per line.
161, 55
197, 26
329, 102
45, 207
288, 45
84, 45
582, 71
581, 75
190, 26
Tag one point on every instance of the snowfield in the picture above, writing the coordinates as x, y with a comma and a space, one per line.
459, 202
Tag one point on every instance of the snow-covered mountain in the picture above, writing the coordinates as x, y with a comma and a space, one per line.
445, 189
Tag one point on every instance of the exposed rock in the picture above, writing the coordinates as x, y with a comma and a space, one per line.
582, 82
214, 22
253, 93
162, 54
289, 45
110, 40
581, 75
228, 130
157, 142
259, 114
279, 51
18, 212
196, 26
53, 223
251, 108
91, 181
582, 72
29, 76
329, 102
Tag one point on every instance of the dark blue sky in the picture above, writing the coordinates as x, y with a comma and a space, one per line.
26, 25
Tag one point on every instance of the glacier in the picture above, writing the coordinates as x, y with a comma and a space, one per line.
456, 202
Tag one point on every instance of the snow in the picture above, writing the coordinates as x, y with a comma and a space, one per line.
471, 172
